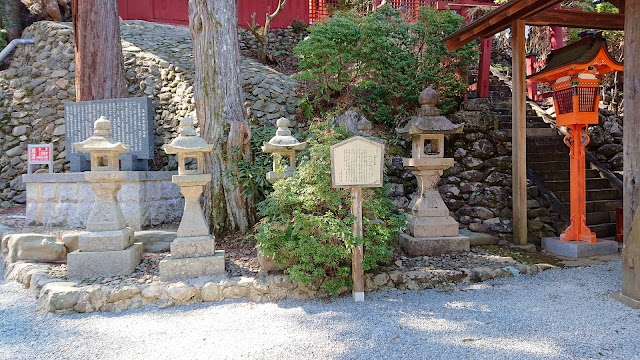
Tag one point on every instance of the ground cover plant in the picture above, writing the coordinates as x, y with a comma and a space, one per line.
306, 224
380, 62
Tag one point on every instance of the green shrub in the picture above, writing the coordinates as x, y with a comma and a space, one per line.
380, 62
307, 224
3, 39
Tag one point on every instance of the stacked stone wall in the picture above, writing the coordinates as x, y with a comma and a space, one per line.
158, 62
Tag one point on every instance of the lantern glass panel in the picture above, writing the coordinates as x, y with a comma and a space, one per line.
587, 99
564, 99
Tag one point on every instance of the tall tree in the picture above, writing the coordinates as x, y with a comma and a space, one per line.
10, 18
99, 64
220, 110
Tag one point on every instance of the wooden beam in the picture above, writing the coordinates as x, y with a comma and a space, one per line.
631, 141
496, 21
577, 19
519, 132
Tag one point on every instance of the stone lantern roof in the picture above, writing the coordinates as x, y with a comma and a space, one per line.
283, 139
188, 140
429, 120
102, 140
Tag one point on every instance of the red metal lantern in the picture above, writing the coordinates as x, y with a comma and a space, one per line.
575, 73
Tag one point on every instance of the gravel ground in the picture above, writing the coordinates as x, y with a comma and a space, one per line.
558, 314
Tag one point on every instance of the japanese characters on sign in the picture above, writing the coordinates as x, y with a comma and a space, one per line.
357, 162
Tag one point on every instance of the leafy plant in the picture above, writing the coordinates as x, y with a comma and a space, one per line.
307, 225
3, 38
380, 62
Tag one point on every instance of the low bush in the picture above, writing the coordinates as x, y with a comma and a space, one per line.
380, 62
306, 224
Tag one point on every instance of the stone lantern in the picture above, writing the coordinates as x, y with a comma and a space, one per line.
431, 230
282, 145
193, 252
106, 248
575, 74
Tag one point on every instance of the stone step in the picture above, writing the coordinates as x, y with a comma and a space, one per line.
534, 132
592, 194
600, 205
559, 165
604, 230
555, 147
565, 185
601, 217
547, 156
552, 175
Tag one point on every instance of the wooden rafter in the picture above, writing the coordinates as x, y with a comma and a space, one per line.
577, 19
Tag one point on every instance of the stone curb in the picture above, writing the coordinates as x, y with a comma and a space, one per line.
63, 297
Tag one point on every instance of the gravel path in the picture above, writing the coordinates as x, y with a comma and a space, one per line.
558, 314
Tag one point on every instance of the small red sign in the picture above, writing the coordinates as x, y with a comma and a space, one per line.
39, 154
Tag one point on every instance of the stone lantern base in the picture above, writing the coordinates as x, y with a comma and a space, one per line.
192, 267
433, 246
104, 254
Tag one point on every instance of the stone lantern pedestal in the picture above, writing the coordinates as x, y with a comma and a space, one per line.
193, 252
283, 145
107, 247
431, 230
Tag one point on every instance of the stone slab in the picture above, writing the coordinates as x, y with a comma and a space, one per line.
132, 124
66, 199
419, 226
579, 249
105, 240
477, 239
632, 303
188, 268
193, 246
96, 264
433, 246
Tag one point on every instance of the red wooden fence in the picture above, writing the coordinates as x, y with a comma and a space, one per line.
176, 11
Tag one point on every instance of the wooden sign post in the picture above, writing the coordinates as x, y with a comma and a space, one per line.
356, 163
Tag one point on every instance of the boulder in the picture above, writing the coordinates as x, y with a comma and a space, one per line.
354, 122
35, 247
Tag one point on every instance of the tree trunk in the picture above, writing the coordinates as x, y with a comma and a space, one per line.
10, 18
99, 64
220, 110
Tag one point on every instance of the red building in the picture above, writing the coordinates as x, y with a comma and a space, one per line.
176, 11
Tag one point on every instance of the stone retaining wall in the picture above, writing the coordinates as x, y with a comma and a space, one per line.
158, 64
147, 198
59, 296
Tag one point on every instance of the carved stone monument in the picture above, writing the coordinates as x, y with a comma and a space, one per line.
431, 230
107, 247
283, 145
193, 252
131, 122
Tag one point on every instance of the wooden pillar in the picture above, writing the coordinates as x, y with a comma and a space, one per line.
519, 133
484, 67
631, 245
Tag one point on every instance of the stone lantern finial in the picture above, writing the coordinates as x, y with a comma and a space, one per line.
283, 144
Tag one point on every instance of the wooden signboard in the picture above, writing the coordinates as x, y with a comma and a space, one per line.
356, 163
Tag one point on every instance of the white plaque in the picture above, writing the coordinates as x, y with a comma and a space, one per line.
357, 162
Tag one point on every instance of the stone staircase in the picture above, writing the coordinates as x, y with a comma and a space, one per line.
548, 158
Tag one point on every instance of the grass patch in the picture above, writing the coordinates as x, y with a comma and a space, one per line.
523, 255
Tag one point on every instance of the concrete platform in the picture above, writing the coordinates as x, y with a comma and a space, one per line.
188, 268
94, 264
578, 249
433, 246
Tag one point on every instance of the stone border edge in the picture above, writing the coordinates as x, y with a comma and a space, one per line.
64, 297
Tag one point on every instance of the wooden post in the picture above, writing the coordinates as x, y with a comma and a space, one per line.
519, 133
631, 241
484, 67
358, 251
